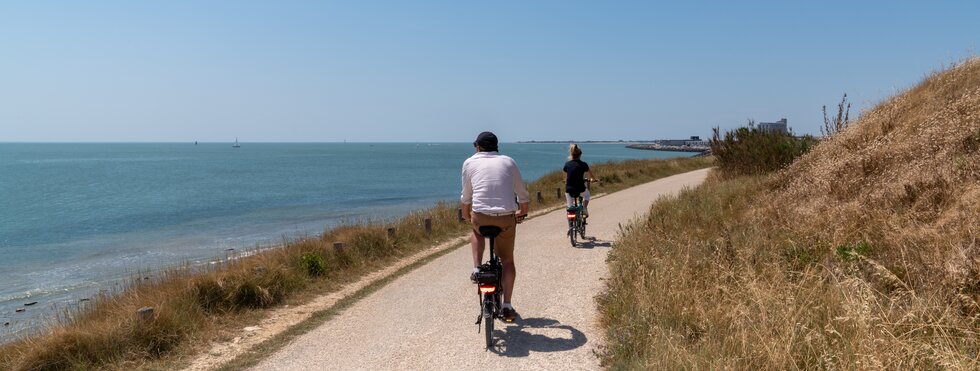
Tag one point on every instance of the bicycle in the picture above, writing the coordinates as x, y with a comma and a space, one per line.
576, 220
489, 287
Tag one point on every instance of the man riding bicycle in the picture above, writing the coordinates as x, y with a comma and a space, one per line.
574, 171
490, 183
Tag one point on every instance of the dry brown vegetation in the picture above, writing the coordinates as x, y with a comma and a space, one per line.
863, 254
195, 305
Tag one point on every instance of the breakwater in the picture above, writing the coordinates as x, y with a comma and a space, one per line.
662, 147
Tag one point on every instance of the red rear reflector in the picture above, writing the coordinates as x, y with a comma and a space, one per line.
487, 289
571, 216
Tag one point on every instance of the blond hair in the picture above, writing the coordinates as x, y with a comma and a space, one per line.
574, 153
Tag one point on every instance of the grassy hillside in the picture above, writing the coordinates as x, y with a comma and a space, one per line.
193, 306
862, 254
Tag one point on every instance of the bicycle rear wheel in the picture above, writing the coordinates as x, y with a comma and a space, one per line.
488, 319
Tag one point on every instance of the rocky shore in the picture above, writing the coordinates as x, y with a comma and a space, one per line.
661, 147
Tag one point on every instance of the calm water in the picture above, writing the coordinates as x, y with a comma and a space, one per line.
75, 218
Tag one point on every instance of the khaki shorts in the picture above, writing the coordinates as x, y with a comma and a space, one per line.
503, 245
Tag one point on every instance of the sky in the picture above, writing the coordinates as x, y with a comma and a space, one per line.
443, 71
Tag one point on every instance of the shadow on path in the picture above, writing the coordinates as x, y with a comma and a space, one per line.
592, 243
528, 335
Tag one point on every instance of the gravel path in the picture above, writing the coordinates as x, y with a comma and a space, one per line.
425, 319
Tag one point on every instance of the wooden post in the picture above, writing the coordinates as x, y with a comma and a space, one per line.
145, 314
459, 214
428, 225
391, 233
558, 193
540, 198
338, 247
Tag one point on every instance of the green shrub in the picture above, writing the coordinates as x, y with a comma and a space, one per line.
313, 264
751, 151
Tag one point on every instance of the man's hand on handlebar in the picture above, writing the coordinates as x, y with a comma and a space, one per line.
522, 208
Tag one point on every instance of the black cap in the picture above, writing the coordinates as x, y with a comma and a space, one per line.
487, 141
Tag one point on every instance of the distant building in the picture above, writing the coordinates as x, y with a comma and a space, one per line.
778, 126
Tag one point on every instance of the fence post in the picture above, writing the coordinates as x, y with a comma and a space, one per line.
391, 233
428, 225
338, 246
540, 198
558, 193
145, 314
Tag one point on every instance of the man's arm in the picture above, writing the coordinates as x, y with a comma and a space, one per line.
466, 198
523, 196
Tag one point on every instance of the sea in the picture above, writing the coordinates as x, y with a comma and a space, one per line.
79, 218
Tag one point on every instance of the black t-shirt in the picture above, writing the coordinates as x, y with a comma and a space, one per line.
576, 169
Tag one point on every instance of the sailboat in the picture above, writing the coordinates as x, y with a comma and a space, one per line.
236, 145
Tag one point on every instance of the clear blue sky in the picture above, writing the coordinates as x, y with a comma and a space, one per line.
446, 70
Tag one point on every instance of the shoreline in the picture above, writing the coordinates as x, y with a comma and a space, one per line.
19, 320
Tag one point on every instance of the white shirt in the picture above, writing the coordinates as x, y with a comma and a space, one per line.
490, 182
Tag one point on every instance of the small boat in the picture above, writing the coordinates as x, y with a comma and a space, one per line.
236, 145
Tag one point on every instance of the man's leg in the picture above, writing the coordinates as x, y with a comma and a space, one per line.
477, 242
510, 274
504, 247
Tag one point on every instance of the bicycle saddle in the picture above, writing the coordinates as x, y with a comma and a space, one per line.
490, 231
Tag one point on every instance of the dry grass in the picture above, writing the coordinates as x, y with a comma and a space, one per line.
863, 254
196, 305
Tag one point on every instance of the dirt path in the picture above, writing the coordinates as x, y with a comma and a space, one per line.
424, 319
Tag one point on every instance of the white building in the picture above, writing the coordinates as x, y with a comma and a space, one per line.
778, 126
